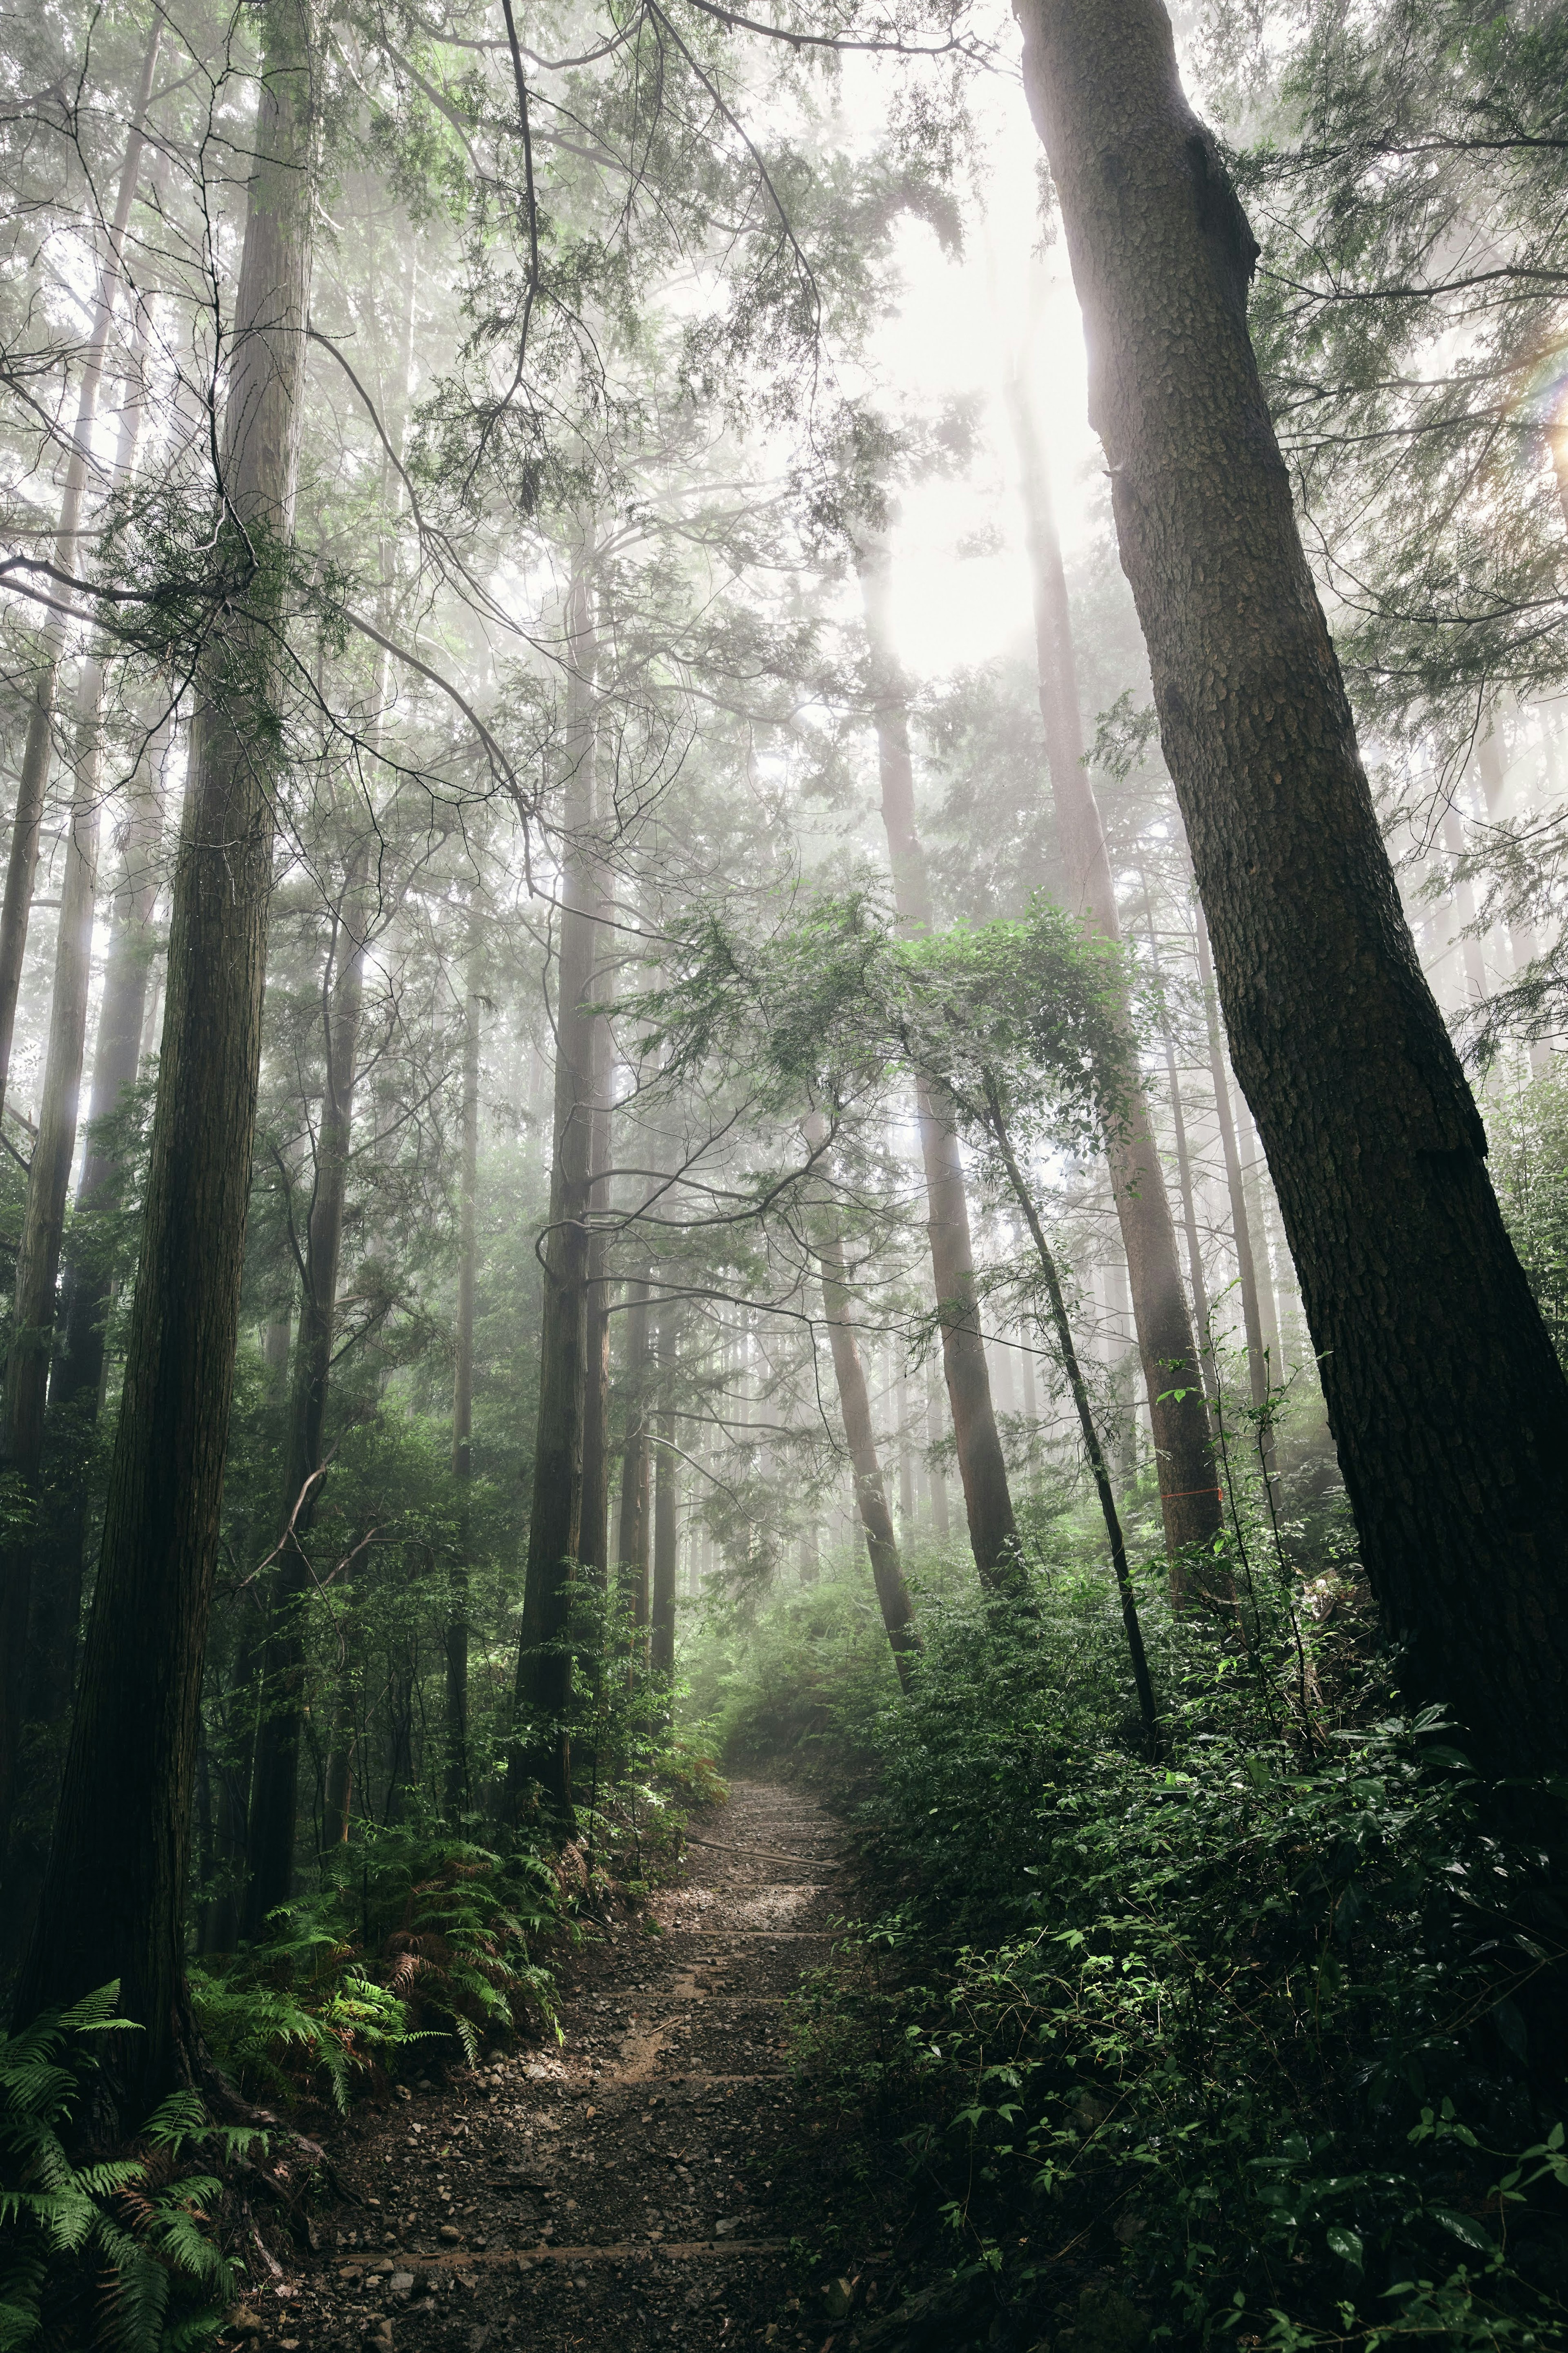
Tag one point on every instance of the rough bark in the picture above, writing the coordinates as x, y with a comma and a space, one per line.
544, 1664
1448, 1405
993, 1531
22, 865
1189, 1492
114, 1895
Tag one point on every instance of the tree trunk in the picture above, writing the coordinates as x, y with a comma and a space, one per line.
666, 1494
1449, 1406
458, 1786
114, 1897
275, 1791
544, 1663
1183, 1158
1189, 1491
855, 1404
1240, 1224
593, 1541
993, 1531
16, 907
632, 1534
941, 1519
1092, 1448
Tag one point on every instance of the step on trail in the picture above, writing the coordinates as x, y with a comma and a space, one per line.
612, 2192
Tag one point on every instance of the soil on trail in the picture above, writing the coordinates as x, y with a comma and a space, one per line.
612, 2191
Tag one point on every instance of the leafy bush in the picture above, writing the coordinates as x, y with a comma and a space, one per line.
1258, 2039
421, 1939
121, 2243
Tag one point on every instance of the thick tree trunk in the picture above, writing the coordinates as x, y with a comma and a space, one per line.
993, 1531
275, 1791
632, 1530
665, 1492
1189, 1491
544, 1663
114, 1896
855, 1404
15, 906
1449, 1406
457, 1788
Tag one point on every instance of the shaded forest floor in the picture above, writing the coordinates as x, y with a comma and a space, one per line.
614, 2190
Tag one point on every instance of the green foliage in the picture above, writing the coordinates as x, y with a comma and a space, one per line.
418, 1938
1246, 2037
1528, 1129
116, 2249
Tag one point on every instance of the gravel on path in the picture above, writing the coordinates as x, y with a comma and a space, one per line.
612, 2192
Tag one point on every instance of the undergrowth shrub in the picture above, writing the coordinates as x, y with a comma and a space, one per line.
114, 2251
412, 1940
1258, 2038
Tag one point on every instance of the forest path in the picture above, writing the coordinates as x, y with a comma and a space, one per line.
613, 2193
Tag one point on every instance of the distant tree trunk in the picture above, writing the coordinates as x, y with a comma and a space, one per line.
665, 1492
1251, 1152
993, 1531
855, 1404
593, 1542
632, 1534
275, 1791
1062, 1326
33, 1322
1240, 1224
16, 907
44, 1570
543, 1754
941, 1519
1189, 1491
457, 1790
1183, 1157
1447, 1402
114, 1897
337, 1809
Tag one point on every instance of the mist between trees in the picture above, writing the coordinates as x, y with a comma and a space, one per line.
558, 1089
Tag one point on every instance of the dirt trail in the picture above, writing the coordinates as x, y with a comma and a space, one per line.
615, 2192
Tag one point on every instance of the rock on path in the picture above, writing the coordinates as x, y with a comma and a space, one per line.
613, 2193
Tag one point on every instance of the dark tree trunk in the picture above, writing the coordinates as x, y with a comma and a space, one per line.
993, 1531
1189, 1491
666, 1493
1449, 1406
594, 1539
114, 1897
632, 1533
545, 1661
15, 906
855, 1404
1062, 1326
458, 1784
275, 1789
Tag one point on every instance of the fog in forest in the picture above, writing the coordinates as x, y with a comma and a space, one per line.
783, 1448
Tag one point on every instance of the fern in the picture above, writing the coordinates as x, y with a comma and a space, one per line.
133, 2228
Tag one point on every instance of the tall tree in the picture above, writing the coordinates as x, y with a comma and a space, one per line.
544, 1663
992, 1530
457, 1785
1447, 1402
666, 1490
114, 1893
15, 906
